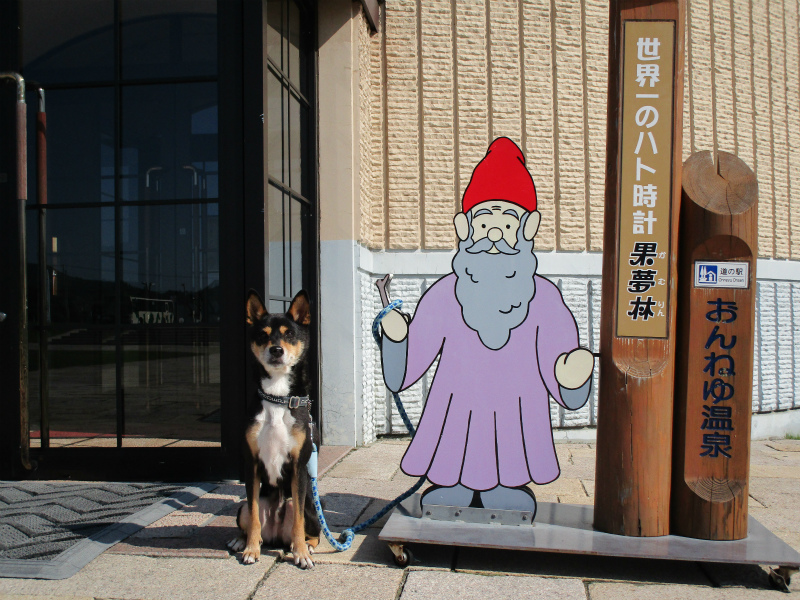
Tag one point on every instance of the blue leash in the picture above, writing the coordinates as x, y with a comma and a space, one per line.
347, 536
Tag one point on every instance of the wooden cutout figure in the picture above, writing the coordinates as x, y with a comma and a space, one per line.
505, 342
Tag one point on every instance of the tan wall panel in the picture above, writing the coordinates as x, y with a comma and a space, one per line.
700, 74
373, 224
473, 95
596, 49
722, 58
687, 92
571, 192
403, 125
437, 124
506, 104
763, 127
780, 140
793, 121
743, 88
539, 114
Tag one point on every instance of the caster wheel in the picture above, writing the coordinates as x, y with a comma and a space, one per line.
404, 558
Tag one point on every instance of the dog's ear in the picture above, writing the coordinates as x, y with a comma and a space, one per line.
255, 307
300, 309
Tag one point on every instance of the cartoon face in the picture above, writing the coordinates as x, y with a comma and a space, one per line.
496, 219
499, 222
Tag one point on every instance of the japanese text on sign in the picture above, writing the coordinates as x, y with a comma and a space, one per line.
645, 179
718, 387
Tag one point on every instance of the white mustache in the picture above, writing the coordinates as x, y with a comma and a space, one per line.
485, 244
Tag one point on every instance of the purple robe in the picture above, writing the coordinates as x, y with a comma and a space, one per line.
487, 417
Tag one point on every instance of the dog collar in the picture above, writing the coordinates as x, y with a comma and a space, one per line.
290, 401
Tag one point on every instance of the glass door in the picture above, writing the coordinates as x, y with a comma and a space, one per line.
125, 349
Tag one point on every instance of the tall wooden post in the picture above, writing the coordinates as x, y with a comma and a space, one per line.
637, 332
714, 369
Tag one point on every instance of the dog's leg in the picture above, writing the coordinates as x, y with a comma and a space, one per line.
313, 528
300, 549
252, 551
238, 543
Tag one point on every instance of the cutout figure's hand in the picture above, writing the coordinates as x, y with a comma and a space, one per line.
395, 326
573, 369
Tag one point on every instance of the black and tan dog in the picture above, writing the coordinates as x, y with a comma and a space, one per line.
279, 437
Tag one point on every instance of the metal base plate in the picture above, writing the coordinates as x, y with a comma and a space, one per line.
567, 528
484, 516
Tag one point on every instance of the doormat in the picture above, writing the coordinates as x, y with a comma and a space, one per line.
51, 530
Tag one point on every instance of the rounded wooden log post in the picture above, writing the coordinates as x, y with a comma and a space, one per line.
643, 181
714, 369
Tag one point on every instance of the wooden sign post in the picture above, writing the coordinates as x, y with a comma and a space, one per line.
714, 369
643, 186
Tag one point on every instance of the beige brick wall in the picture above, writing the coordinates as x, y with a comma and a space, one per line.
445, 77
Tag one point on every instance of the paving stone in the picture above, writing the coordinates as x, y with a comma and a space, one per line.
777, 493
331, 582
424, 585
208, 541
786, 471
629, 591
583, 451
378, 461
584, 567
582, 499
368, 549
401, 440
578, 468
329, 456
29, 597
563, 486
784, 445
368, 488
343, 510
144, 578
729, 575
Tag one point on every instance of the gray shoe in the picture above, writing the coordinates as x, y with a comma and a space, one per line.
504, 498
456, 495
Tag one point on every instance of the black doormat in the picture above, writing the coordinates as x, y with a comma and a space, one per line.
50, 530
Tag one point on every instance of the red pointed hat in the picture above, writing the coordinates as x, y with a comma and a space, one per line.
501, 175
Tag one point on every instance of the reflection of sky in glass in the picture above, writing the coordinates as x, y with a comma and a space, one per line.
204, 122
107, 266
107, 172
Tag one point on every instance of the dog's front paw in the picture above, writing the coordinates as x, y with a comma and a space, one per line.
237, 544
302, 555
251, 554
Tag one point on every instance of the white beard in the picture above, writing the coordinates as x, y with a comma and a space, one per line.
494, 290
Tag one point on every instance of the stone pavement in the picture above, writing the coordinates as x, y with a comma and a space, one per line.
183, 555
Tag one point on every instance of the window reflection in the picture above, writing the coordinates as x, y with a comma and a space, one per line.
80, 266
80, 146
169, 141
168, 39
64, 46
170, 266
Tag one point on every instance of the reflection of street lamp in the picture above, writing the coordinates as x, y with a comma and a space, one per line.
183, 285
